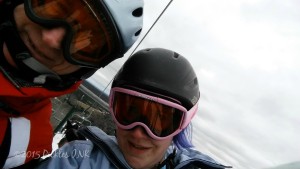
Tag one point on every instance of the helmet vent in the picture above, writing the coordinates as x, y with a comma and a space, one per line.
138, 32
195, 81
176, 55
138, 12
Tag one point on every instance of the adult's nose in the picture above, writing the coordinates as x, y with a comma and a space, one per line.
53, 37
139, 132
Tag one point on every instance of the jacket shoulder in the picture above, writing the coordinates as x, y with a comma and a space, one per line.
191, 158
106, 144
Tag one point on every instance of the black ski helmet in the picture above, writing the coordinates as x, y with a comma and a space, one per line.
160, 71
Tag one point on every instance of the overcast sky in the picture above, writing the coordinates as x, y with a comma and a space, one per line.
246, 55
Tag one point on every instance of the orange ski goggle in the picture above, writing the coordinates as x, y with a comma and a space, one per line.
91, 39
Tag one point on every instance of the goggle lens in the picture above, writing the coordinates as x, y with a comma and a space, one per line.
90, 40
161, 119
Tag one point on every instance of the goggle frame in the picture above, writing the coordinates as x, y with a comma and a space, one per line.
186, 118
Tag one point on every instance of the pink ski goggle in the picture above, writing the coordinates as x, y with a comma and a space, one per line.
160, 118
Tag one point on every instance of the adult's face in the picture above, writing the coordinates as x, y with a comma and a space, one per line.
44, 44
140, 150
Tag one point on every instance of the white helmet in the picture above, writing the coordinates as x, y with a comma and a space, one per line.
128, 17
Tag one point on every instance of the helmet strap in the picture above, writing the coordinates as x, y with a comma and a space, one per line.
22, 57
169, 161
32, 70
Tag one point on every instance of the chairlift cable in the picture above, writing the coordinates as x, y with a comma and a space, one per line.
157, 19
163, 11
167, 6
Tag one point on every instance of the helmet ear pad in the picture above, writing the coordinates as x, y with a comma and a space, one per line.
161, 71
